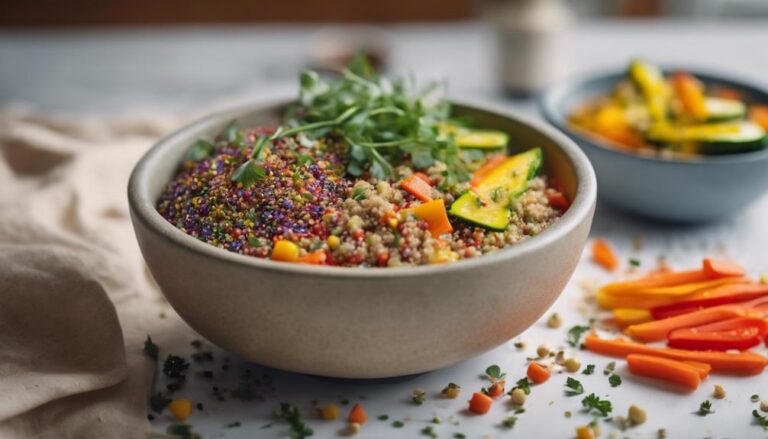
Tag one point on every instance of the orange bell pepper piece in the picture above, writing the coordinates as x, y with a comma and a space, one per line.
434, 213
357, 414
316, 257
658, 330
631, 316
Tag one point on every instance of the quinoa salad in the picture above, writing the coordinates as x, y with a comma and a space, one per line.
364, 172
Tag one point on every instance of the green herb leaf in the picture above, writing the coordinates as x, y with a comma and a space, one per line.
705, 408
575, 334
634, 262
575, 386
358, 194
593, 402
150, 348
199, 150
494, 373
754, 398
257, 154
249, 173
291, 415
383, 417
589, 370
398, 424
429, 431
614, 380
509, 421
234, 424
158, 402
760, 420
232, 133
175, 366
524, 385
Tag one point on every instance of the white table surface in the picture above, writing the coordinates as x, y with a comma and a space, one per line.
193, 69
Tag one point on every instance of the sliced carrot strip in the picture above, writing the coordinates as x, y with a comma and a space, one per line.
684, 289
603, 255
631, 316
747, 290
665, 369
745, 363
658, 330
417, 187
721, 295
666, 279
690, 91
722, 267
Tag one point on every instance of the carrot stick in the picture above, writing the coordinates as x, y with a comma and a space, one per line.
702, 368
721, 267
665, 369
604, 255
657, 330
759, 115
316, 257
744, 363
631, 316
658, 280
690, 91
746, 290
682, 290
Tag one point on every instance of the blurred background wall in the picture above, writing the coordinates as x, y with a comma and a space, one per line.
44, 13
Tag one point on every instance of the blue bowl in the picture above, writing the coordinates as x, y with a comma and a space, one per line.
702, 188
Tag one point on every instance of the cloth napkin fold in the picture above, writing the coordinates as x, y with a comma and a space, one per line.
76, 301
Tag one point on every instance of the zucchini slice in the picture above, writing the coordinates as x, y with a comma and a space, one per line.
717, 138
650, 80
489, 203
474, 138
719, 109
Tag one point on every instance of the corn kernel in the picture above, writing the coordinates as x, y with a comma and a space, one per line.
333, 242
180, 408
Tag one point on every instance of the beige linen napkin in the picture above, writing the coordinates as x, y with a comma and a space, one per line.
76, 301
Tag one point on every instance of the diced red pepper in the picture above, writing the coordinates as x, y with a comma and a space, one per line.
739, 333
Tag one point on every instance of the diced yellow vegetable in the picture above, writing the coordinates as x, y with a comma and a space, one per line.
285, 251
180, 408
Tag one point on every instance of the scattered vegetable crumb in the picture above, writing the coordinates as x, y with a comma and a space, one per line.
719, 392
180, 409
330, 412
451, 391
418, 396
705, 408
636, 415
554, 321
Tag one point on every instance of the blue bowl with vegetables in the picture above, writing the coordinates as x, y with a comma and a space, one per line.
671, 144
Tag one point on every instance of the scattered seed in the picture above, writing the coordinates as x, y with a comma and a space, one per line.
763, 406
636, 415
719, 392
554, 321
572, 365
542, 351
518, 396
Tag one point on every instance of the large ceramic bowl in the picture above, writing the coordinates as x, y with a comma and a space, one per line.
691, 190
361, 322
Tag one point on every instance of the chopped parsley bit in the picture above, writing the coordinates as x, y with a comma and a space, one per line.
383, 417
197, 344
615, 380
175, 366
183, 431
634, 262
754, 398
436, 420
494, 373
234, 424
575, 334
418, 396
760, 420
358, 194
244, 392
705, 408
575, 387
509, 422
589, 370
609, 368
522, 384
249, 173
398, 424
344, 402
291, 415
592, 402
459, 436
199, 150
158, 402
150, 348
429, 431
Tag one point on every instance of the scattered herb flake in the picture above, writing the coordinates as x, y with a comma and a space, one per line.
398, 424
705, 408
634, 262
589, 370
593, 402
418, 396
760, 420
150, 348
383, 417
524, 385
234, 424
175, 366
615, 380
429, 431
509, 421
291, 415
754, 398
158, 402
575, 334
575, 386
609, 368
494, 373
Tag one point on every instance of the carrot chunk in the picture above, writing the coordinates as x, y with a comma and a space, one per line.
603, 255
538, 373
357, 414
417, 187
480, 403
665, 369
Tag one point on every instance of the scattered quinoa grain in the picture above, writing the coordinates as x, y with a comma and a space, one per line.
554, 321
719, 392
763, 406
572, 365
636, 415
568, 415
542, 351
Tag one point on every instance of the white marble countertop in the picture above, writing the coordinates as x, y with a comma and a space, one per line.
192, 69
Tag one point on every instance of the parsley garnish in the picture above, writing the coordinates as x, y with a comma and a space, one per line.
398, 424
199, 150
593, 402
754, 398
589, 370
175, 366
509, 422
358, 194
234, 424
383, 417
760, 420
494, 373
291, 415
575, 334
429, 431
249, 173
459, 436
150, 348
158, 402
418, 396
634, 262
705, 408
615, 380
575, 387
524, 385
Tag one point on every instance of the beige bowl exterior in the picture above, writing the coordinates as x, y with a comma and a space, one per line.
361, 322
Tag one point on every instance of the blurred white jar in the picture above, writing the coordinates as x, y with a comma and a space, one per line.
531, 40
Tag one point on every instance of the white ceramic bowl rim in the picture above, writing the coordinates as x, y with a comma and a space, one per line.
144, 207
549, 103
